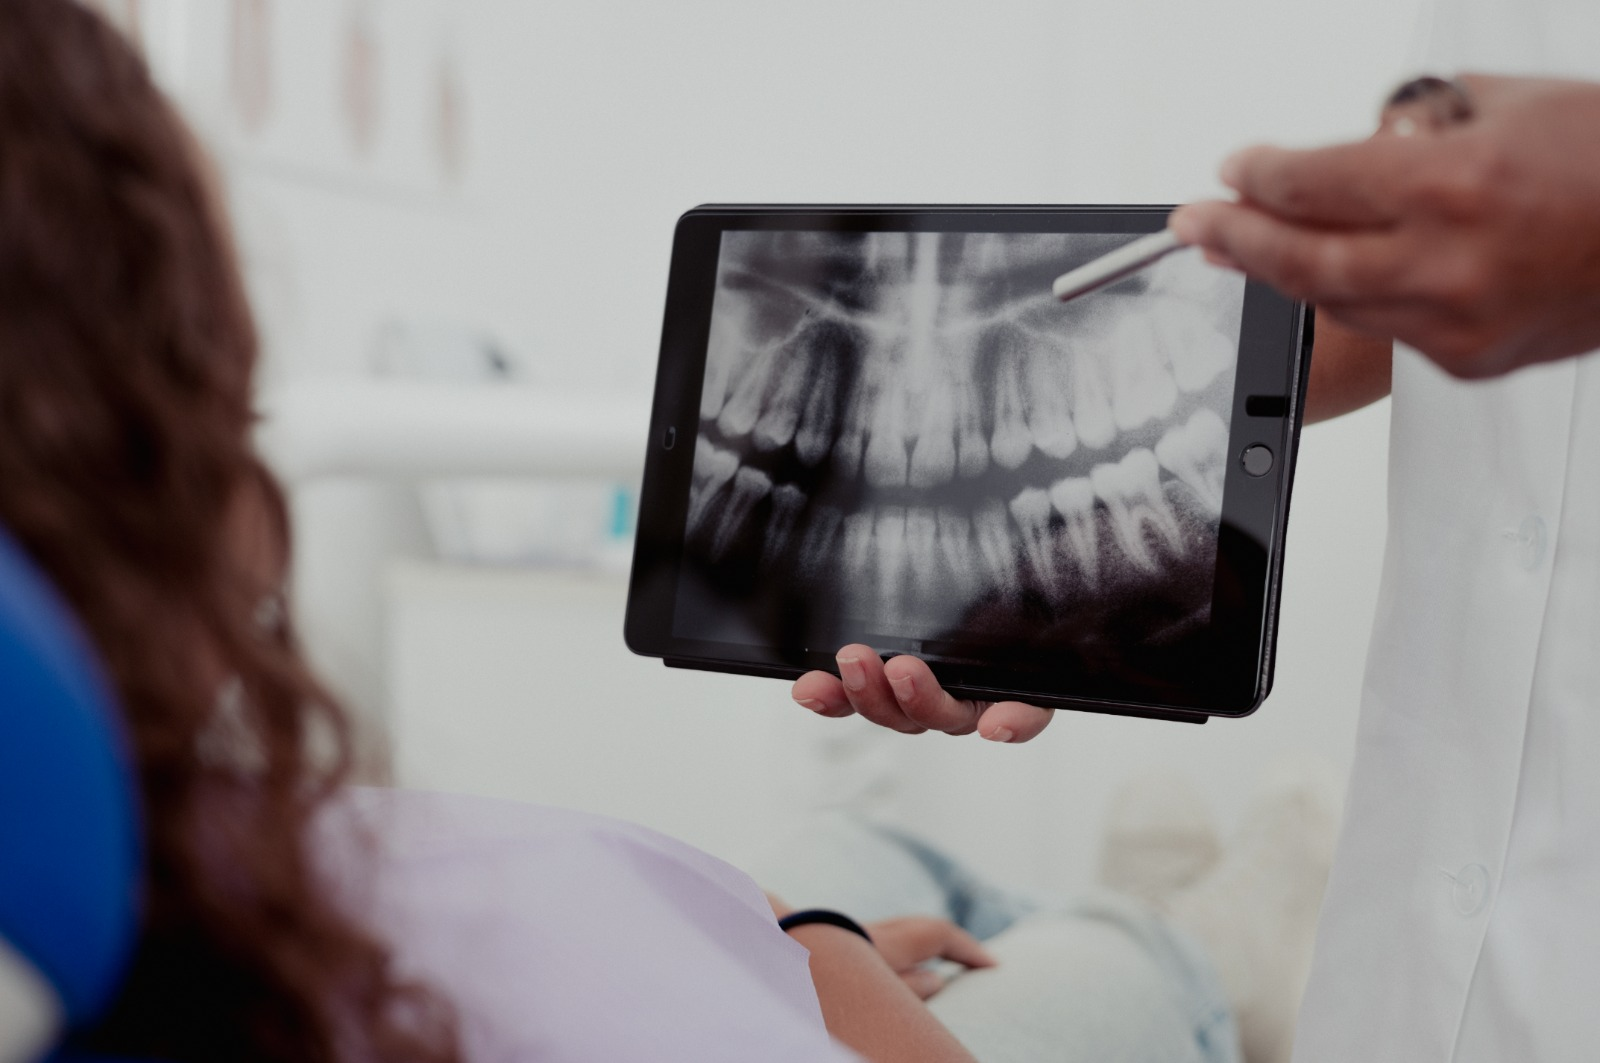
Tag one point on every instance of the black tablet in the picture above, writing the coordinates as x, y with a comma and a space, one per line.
876, 425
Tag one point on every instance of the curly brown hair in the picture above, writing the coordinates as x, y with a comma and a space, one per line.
126, 357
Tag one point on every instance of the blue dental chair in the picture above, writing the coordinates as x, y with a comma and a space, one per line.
69, 838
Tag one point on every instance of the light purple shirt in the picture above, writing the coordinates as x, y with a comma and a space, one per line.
565, 937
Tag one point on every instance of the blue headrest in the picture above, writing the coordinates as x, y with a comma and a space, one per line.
69, 841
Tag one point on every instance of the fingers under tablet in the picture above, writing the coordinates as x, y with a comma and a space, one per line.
1012, 721
925, 702
904, 695
823, 694
869, 692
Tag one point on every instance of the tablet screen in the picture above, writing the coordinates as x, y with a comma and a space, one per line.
904, 439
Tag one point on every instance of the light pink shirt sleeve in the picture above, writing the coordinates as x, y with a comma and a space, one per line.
564, 937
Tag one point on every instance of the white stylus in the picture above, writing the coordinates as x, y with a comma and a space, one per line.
1115, 265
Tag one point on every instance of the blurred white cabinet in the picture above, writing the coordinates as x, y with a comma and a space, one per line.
516, 683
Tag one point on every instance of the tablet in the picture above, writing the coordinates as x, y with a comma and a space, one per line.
877, 425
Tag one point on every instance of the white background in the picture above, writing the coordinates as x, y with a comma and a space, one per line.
589, 127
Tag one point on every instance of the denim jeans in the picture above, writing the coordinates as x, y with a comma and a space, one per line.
1094, 979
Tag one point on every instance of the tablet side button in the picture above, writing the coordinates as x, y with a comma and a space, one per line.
1256, 459
669, 438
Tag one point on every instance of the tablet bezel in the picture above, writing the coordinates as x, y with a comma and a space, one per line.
1269, 390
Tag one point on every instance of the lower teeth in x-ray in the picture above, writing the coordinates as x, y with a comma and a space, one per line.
907, 431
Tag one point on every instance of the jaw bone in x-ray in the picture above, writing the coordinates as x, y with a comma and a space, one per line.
911, 426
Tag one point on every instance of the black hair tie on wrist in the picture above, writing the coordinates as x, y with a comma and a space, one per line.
822, 915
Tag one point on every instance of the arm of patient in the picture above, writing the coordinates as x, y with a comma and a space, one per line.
868, 1006
868, 1011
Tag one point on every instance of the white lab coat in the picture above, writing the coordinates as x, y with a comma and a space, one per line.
1461, 920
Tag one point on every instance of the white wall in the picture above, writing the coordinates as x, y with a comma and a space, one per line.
591, 126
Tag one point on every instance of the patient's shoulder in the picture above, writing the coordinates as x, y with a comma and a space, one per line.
415, 828
558, 928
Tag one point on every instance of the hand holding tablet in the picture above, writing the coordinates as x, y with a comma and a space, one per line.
903, 695
878, 427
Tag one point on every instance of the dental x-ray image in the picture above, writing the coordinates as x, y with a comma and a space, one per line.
903, 436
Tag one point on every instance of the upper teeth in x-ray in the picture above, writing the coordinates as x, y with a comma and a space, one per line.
980, 441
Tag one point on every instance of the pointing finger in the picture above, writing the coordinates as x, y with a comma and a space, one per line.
1312, 264
1362, 184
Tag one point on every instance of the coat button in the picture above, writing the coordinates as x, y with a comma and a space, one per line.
1533, 540
1470, 888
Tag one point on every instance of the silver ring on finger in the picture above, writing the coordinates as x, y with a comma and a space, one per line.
1426, 104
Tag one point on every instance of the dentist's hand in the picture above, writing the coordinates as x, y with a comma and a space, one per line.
1477, 243
903, 695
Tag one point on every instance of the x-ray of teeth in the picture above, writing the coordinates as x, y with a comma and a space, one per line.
905, 433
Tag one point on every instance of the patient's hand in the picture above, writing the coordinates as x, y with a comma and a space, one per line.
909, 942
904, 696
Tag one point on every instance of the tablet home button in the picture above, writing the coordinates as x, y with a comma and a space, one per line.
1257, 460
669, 438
